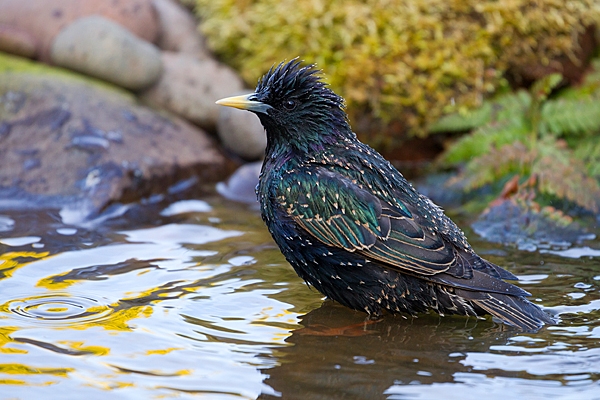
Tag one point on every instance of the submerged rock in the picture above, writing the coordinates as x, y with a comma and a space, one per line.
509, 222
65, 138
241, 185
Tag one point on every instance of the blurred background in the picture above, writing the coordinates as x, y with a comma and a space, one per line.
501, 96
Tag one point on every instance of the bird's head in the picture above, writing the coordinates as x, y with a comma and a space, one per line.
297, 109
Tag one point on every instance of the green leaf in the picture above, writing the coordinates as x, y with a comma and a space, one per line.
571, 116
495, 165
483, 140
463, 121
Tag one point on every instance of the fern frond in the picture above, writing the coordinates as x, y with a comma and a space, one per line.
511, 106
571, 116
562, 175
502, 108
483, 139
588, 151
496, 164
463, 121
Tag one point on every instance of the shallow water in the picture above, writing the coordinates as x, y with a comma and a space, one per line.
193, 300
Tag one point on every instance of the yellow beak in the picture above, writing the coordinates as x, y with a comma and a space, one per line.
244, 103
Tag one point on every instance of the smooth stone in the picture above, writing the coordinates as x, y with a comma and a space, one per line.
43, 20
189, 88
178, 30
67, 140
242, 133
241, 185
101, 48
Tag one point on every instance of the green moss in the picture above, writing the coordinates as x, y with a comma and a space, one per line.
401, 60
12, 65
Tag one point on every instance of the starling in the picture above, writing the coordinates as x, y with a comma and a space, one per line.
352, 226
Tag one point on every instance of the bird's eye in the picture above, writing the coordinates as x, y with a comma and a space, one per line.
289, 104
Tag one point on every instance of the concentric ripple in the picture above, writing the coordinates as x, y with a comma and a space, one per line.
63, 308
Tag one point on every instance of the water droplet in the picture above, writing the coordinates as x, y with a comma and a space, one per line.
62, 308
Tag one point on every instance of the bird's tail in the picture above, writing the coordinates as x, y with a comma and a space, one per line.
512, 310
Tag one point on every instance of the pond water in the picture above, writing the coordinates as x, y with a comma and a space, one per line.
191, 299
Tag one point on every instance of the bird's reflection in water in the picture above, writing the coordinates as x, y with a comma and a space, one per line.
338, 354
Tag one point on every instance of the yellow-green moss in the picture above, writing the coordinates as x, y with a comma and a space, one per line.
10, 64
400, 59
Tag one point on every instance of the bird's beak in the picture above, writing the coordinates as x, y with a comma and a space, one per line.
244, 103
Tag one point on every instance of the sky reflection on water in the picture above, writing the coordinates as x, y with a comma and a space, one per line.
193, 300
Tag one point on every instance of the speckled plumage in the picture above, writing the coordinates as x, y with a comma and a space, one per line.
352, 226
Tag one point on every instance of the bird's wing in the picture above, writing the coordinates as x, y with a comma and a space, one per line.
340, 212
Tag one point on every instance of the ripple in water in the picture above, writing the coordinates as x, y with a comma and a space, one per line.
60, 308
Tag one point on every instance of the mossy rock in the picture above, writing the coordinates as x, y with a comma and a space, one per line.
399, 60
10, 64
69, 142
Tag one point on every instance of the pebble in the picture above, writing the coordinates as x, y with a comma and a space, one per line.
242, 133
103, 49
189, 88
178, 30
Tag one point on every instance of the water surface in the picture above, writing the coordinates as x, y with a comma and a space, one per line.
192, 299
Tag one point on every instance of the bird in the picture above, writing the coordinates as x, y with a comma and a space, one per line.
352, 226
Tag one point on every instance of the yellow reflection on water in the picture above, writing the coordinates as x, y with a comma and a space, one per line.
12, 382
81, 348
9, 262
20, 369
163, 351
117, 321
56, 284
5, 332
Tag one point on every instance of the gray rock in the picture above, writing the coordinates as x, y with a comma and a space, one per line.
510, 222
64, 142
179, 30
241, 185
242, 133
189, 88
102, 48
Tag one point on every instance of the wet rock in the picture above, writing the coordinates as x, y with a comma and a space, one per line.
241, 185
16, 41
179, 30
189, 88
101, 48
43, 20
510, 222
242, 133
67, 140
